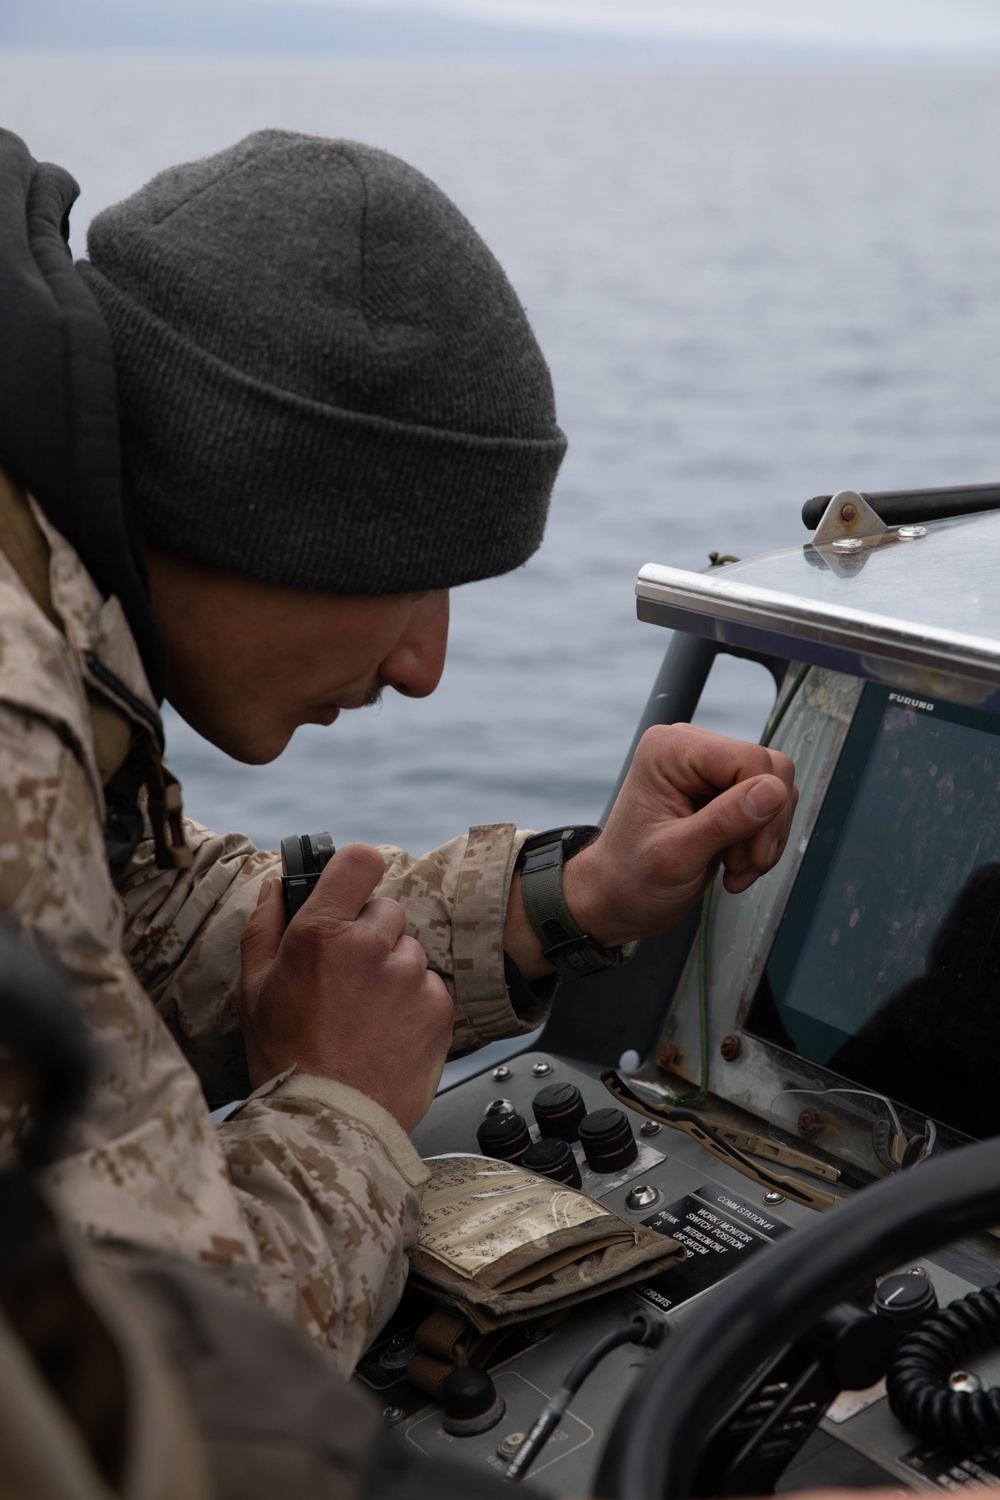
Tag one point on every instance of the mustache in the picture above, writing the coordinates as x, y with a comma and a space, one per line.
371, 699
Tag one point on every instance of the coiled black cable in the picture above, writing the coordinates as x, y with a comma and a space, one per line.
917, 1382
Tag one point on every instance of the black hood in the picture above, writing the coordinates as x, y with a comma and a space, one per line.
58, 409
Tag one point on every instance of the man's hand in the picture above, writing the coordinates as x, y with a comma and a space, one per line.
343, 992
691, 799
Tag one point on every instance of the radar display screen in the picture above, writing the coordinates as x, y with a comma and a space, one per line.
886, 966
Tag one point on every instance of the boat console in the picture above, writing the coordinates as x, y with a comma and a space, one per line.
834, 1034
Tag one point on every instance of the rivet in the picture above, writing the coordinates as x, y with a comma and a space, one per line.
502, 1073
668, 1056
964, 1380
848, 513
808, 1122
541, 1069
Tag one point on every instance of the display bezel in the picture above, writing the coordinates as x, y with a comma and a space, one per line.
807, 1041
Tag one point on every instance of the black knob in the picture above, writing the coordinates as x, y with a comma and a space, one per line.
607, 1140
470, 1403
553, 1159
559, 1110
906, 1300
504, 1136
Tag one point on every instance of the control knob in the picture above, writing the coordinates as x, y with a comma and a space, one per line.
607, 1140
559, 1110
906, 1300
504, 1136
553, 1159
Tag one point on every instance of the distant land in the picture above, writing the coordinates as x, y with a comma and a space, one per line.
275, 27
255, 26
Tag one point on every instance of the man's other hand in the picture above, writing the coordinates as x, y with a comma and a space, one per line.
691, 800
343, 992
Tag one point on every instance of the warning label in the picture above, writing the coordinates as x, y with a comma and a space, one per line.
719, 1231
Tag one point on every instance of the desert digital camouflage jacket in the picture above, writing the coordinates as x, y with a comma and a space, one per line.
308, 1196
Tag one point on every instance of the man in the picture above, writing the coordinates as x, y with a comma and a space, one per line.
328, 408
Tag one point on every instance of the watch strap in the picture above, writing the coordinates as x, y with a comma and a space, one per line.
566, 946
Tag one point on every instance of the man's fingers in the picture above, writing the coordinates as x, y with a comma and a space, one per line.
262, 934
750, 820
346, 884
699, 763
385, 918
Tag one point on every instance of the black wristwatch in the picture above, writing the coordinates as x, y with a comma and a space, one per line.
565, 945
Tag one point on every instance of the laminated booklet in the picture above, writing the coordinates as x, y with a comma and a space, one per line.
501, 1243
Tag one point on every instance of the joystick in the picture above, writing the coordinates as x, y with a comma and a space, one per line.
470, 1403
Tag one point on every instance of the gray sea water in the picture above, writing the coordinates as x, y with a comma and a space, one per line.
754, 282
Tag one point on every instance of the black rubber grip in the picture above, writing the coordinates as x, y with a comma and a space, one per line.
898, 507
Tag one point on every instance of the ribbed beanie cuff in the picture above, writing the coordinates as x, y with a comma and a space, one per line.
246, 452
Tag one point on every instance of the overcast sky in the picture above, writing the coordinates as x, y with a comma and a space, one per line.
948, 24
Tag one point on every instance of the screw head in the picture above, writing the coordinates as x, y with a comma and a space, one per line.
808, 1122
847, 544
730, 1047
510, 1445
668, 1056
501, 1074
772, 1199
393, 1414
499, 1107
643, 1195
650, 1127
911, 533
964, 1380
848, 513
541, 1070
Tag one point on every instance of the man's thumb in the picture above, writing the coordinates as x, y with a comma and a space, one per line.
736, 815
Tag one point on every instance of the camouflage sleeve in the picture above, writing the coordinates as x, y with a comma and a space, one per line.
456, 904
306, 1202
182, 932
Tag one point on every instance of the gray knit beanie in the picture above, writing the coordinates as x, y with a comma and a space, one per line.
325, 378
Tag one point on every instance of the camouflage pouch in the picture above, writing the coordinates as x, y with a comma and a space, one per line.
501, 1245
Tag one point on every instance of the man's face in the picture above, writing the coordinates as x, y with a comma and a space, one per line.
251, 661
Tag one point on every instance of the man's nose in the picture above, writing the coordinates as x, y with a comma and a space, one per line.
415, 663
